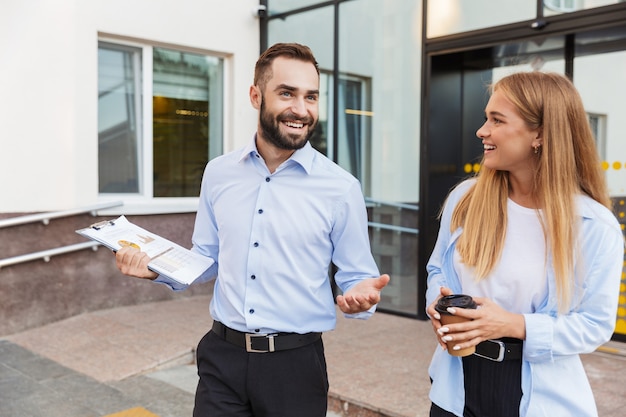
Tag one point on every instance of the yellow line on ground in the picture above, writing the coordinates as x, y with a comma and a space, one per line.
133, 412
611, 350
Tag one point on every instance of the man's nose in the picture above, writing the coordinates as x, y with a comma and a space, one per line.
298, 106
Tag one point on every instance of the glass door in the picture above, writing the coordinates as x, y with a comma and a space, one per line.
458, 94
600, 76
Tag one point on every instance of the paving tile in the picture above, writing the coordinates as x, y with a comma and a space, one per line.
41, 369
182, 377
15, 387
157, 396
46, 403
7, 372
83, 390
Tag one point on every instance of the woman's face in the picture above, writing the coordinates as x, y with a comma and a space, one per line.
507, 140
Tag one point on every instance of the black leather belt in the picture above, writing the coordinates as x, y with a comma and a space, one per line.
263, 343
499, 350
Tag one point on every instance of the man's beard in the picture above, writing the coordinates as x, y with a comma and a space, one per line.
270, 127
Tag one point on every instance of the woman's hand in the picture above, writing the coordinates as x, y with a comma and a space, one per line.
488, 321
435, 317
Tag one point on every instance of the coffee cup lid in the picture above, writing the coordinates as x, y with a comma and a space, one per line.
454, 300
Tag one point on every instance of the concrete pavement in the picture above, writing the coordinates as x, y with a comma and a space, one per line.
137, 361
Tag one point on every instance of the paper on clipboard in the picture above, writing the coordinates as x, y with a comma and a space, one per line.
167, 258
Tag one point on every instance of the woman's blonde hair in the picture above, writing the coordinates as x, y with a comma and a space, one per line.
567, 165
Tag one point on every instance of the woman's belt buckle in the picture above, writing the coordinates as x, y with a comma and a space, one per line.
493, 350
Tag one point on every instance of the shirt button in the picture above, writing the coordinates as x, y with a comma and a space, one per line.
267, 179
251, 311
256, 244
260, 211
253, 276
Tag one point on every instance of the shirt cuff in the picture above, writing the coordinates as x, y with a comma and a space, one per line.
173, 285
539, 337
364, 315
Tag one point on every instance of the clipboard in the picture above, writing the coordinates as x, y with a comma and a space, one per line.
167, 258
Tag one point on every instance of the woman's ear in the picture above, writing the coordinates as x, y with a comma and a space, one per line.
538, 141
255, 97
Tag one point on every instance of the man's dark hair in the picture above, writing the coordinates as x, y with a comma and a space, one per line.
263, 67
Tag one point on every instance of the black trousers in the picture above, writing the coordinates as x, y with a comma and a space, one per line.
235, 383
492, 389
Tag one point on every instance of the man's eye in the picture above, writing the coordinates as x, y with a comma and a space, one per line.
312, 98
285, 94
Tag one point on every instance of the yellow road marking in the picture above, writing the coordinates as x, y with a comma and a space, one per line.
133, 412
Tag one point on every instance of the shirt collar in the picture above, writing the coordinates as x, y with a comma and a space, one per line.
303, 157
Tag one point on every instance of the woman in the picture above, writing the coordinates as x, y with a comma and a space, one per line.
533, 241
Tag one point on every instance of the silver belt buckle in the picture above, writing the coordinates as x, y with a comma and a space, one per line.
501, 351
250, 336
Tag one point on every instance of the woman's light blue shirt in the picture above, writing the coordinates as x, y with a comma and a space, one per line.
554, 382
274, 237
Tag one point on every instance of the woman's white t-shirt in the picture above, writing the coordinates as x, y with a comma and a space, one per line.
518, 283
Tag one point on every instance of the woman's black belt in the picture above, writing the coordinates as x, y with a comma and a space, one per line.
499, 350
264, 343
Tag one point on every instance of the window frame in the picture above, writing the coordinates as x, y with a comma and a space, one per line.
144, 201
598, 123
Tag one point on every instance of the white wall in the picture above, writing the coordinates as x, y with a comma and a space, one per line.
48, 84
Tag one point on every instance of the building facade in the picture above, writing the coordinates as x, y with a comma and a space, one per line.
139, 96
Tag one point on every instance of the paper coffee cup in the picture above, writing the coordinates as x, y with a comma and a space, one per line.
456, 301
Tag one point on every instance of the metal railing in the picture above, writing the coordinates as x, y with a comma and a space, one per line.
399, 229
399, 206
45, 219
46, 254
378, 203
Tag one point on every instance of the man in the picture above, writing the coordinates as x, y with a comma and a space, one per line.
274, 216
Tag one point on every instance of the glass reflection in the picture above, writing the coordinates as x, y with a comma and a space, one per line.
119, 131
447, 17
554, 7
181, 87
281, 6
378, 132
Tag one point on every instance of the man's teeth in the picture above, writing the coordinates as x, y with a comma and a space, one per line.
294, 124
489, 147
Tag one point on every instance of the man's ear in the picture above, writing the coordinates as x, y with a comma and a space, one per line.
255, 97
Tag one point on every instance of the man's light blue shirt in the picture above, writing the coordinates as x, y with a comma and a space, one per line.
274, 237
554, 383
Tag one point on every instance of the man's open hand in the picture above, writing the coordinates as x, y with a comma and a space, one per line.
363, 295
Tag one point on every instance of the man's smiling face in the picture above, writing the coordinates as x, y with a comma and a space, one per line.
289, 104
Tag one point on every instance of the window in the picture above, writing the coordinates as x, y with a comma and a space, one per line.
159, 119
562, 5
119, 107
354, 131
354, 127
598, 127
